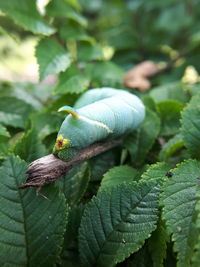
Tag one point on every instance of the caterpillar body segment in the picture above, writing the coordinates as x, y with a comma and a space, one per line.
99, 115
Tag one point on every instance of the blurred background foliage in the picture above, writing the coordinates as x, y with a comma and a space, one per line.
126, 32
52, 51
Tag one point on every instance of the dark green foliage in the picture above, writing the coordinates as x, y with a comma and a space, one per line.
32, 227
174, 91
124, 215
75, 183
191, 126
172, 146
72, 81
169, 112
14, 112
137, 205
29, 147
101, 164
178, 199
118, 175
140, 142
25, 13
4, 137
52, 57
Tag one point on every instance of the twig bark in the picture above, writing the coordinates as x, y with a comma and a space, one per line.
48, 169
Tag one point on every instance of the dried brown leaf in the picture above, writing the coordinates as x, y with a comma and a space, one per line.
137, 76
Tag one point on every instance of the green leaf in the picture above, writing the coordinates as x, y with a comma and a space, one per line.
149, 102
74, 220
169, 112
14, 112
4, 137
67, 99
159, 238
9, 34
32, 227
3, 131
172, 146
91, 6
140, 142
20, 91
116, 176
25, 14
171, 18
156, 171
34, 94
158, 244
70, 256
45, 123
105, 74
196, 255
41, 93
125, 215
192, 89
73, 31
173, 91
178, 199
74, 3
72, 81
74, 184
87, 52
101, 164
4, 146
76, 84
29, 147
51, 57
141, 258
15, 138
60, 8
190, 129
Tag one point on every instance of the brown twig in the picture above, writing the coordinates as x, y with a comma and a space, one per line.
170, 64
49, 168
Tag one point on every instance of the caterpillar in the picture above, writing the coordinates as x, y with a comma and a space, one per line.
100, 114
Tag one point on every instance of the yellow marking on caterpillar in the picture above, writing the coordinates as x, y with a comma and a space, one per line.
73, 113
61, 142
101, 124
70, 110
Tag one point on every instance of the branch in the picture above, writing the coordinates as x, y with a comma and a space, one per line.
49, 168
170, 64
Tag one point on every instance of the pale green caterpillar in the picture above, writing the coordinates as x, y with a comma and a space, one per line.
99, 115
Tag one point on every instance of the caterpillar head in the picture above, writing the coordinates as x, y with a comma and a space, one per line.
64, 147
61, 143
